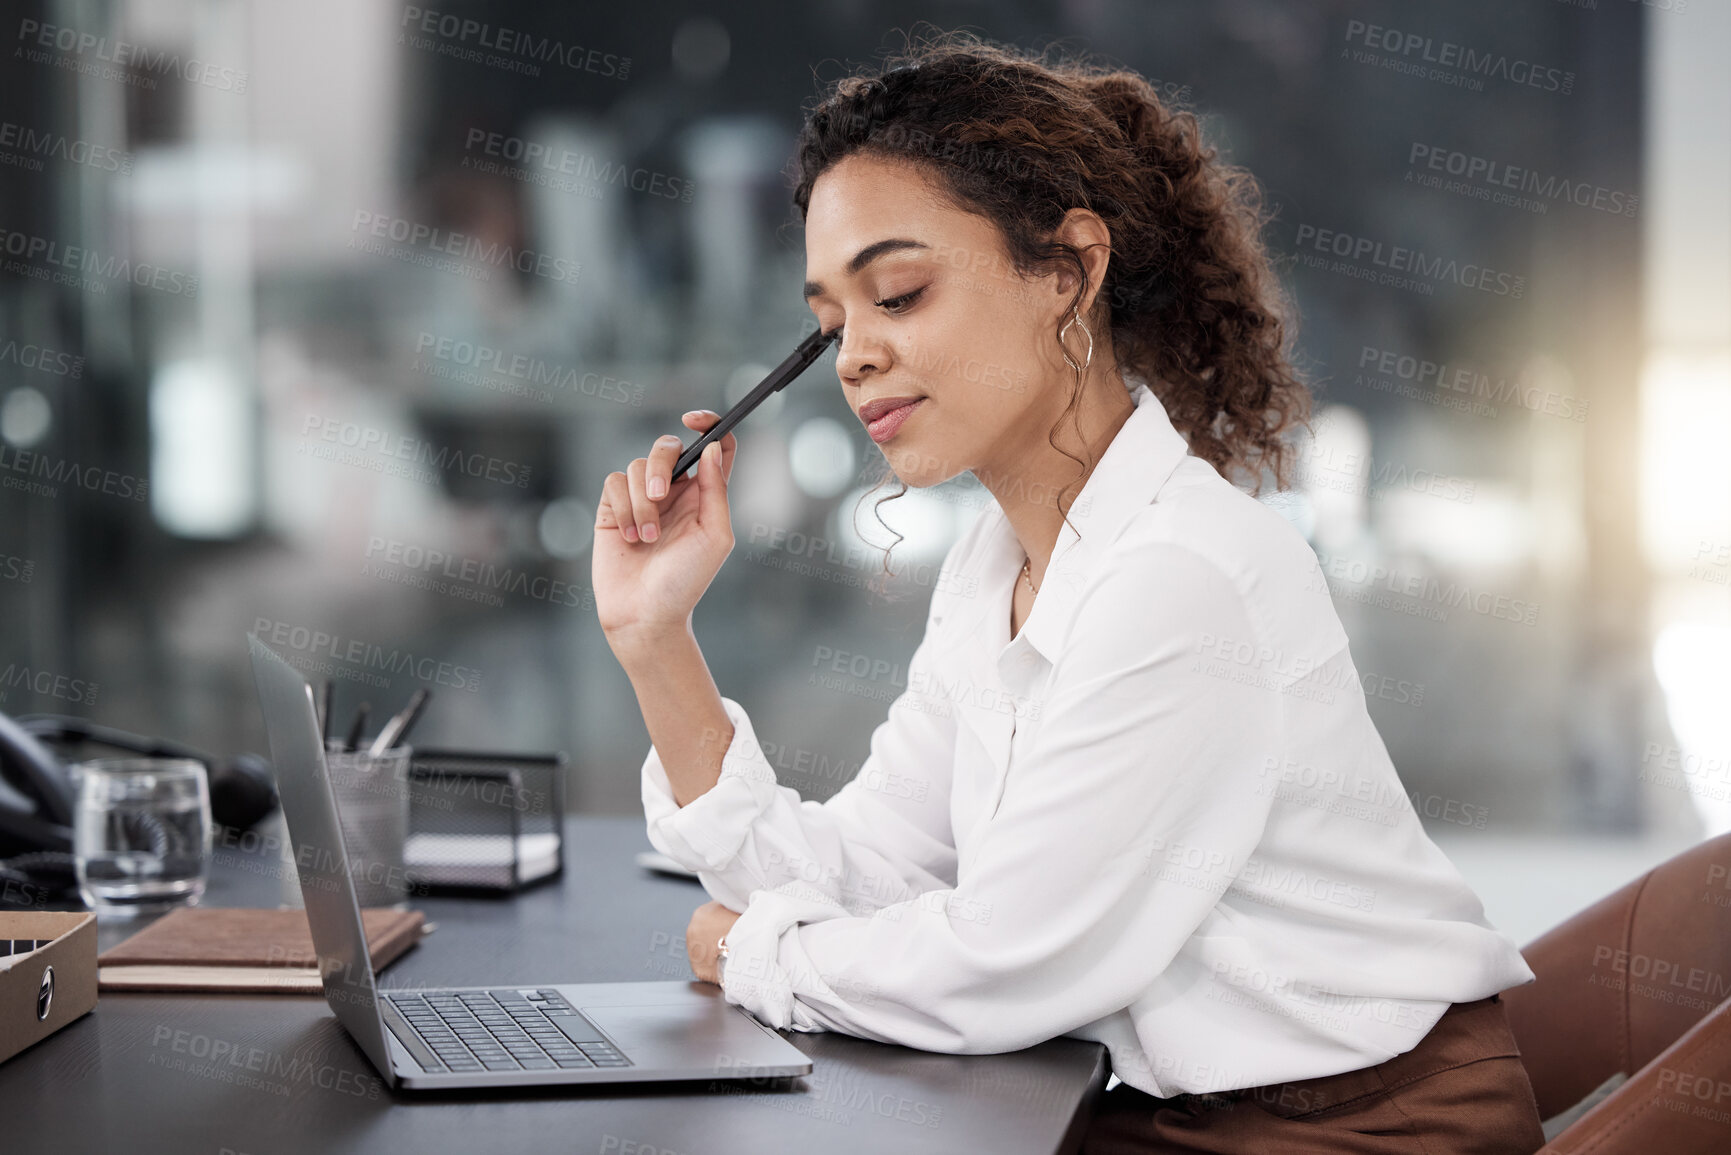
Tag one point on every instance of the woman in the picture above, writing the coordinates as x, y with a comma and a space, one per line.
1132, 792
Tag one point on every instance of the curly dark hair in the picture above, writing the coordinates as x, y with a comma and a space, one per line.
1190, 298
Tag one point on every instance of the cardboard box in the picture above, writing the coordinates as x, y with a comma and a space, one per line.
45, 989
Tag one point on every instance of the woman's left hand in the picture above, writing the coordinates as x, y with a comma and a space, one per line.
708, 924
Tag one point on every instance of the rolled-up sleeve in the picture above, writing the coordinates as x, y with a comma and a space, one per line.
883, 836
1123, 820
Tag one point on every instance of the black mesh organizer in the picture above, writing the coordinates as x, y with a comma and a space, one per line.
482, 821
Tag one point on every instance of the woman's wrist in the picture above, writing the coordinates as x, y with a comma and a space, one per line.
710, 923
642, 642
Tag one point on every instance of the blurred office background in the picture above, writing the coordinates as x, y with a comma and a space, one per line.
258, 370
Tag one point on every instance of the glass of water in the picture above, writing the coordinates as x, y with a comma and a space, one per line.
141, 833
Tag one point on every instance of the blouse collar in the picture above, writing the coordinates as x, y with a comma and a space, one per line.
1131, 472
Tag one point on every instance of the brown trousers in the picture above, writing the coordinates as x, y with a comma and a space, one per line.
1461, 1090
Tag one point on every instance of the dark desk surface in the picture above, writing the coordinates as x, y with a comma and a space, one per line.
138, 1075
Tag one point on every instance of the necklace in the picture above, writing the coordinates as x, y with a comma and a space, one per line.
1028, 577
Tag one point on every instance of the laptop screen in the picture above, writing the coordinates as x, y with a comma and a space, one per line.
315, 832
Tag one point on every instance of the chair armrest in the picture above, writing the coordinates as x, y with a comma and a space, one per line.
1678, 1104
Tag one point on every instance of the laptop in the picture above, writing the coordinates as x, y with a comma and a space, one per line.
486, 1036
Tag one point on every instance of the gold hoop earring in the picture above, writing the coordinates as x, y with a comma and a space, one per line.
1076, 319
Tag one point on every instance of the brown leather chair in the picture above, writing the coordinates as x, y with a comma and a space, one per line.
1639, 983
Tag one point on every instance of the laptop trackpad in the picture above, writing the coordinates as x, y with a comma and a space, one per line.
678, 1032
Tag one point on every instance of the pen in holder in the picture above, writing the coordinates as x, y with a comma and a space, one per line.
372, 794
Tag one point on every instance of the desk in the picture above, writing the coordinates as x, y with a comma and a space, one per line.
136, 1076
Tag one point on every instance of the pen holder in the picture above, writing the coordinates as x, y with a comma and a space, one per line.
372, 795
481, 821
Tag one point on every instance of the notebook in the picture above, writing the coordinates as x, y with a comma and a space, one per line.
479, 859
194, 948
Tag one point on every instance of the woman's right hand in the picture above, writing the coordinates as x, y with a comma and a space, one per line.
655, 556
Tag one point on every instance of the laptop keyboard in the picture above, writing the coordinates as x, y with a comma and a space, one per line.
498, 1030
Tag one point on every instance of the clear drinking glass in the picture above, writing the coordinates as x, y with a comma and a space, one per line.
141, 833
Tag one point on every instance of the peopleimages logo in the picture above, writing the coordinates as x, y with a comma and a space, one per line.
502, 47
310, 645
1443, 377
1498, 182
65, 263
1422, 55
464, 577
532, 155
375, 449
30, 145
40, 357
37, 39
236, 1064
1393, 261
47, 684
420, 236
42, 475
520, 367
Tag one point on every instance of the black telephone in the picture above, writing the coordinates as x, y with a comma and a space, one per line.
36, 844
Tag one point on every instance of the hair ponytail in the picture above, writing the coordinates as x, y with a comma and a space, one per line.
1195, 307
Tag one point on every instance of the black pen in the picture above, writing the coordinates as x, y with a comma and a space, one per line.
394, 731
354, 742
327, 694
797, 362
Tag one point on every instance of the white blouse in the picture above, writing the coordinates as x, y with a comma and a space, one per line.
1159, 817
